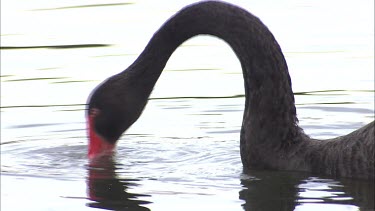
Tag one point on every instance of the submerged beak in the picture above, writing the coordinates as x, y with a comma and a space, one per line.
98, 146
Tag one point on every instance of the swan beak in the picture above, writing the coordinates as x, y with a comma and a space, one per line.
98, 146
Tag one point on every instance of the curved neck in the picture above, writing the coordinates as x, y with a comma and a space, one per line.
269, 108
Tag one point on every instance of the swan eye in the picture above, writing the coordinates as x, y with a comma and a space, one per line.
94, 112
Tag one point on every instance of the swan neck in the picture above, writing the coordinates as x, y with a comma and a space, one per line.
269, 104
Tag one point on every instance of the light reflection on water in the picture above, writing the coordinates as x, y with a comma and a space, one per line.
184, 151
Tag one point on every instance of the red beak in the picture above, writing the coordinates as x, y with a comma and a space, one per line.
98, 146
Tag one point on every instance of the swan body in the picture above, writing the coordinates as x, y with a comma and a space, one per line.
270, 135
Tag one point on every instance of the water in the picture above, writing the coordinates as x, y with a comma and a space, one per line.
183, 153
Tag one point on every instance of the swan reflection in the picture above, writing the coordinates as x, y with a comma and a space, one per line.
107, 191
280, 190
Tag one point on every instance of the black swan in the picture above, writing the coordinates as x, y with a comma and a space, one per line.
270, 135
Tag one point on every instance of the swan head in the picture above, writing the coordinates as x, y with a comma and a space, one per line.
112, 108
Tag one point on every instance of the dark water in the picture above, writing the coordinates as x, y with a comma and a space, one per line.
183, 153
